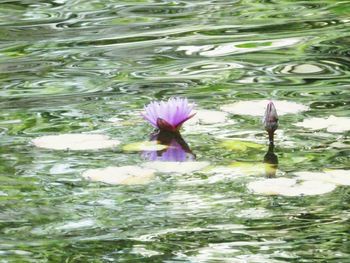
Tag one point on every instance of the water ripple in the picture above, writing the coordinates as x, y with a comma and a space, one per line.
73, 66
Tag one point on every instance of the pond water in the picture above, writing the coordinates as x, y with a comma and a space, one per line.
89, 67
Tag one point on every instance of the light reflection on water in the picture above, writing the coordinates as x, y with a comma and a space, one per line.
90, 66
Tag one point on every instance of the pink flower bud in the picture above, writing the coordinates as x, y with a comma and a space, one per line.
270, 120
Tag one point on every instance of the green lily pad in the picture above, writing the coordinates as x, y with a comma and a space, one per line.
252, 168
241, 146
144, 146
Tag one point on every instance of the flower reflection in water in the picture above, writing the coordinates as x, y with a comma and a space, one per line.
271, 162
177, 150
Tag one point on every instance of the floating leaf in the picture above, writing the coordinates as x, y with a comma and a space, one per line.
125, 175
208, 117
257, 107
339, 177
235, 145
271, 186
289, 187
332, 124
310, 188
176, 167
144, 146
207, 121
75, 142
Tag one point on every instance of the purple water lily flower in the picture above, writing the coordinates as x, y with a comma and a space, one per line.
168, 115
270, 120
177, 150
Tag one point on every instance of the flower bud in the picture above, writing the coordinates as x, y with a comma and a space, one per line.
270, 120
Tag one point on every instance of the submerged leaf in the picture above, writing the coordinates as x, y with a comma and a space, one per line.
75, 142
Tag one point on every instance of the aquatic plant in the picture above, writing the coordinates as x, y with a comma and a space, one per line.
168, 115
270, 120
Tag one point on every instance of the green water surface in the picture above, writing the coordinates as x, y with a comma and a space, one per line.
74, 66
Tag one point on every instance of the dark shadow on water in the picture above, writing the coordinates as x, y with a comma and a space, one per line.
177, 149
271, 162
